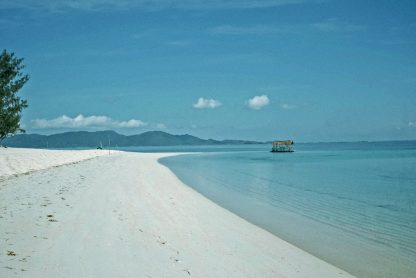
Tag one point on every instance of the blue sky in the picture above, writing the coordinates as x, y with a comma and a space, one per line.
262, 70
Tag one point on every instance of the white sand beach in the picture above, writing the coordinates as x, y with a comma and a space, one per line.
126, 215
15, 161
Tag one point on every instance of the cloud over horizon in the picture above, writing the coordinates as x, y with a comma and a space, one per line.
287, 106
204, 103
258, 102
160, 126
82, 121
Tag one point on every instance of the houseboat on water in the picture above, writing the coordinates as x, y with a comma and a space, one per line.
283, 146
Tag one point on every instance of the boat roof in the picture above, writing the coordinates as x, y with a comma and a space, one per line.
286, 142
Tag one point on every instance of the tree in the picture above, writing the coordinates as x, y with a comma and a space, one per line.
11, 81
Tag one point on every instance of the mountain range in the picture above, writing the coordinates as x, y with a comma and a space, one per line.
79, 139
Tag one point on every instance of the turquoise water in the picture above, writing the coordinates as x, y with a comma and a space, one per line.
352, 205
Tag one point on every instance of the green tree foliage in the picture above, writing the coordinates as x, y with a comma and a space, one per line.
11, 81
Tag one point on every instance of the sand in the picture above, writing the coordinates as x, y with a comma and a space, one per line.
126, 215
15, 161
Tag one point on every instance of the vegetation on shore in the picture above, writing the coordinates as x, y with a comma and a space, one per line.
11, 81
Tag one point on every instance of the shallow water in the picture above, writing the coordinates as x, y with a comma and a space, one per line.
353, 205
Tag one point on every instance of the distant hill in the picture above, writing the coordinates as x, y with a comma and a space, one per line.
80, 139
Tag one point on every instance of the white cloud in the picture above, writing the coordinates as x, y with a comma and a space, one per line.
258, 102
334, 25
129, 124
287, 106
92, 5
207, 103
179, 43
81, 121
250, 30
160, 126
331, 25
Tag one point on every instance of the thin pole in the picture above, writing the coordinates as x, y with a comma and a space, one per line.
109, 145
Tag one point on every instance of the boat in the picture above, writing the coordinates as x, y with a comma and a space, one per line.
286, 146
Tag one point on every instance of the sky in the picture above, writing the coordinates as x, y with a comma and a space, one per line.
307, 70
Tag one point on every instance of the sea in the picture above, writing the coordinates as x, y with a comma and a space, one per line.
351, 204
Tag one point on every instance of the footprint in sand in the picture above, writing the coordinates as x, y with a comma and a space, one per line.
161, 241
120, 217
175, 260
51, 219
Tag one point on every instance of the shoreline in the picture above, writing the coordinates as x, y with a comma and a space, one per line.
126, 214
